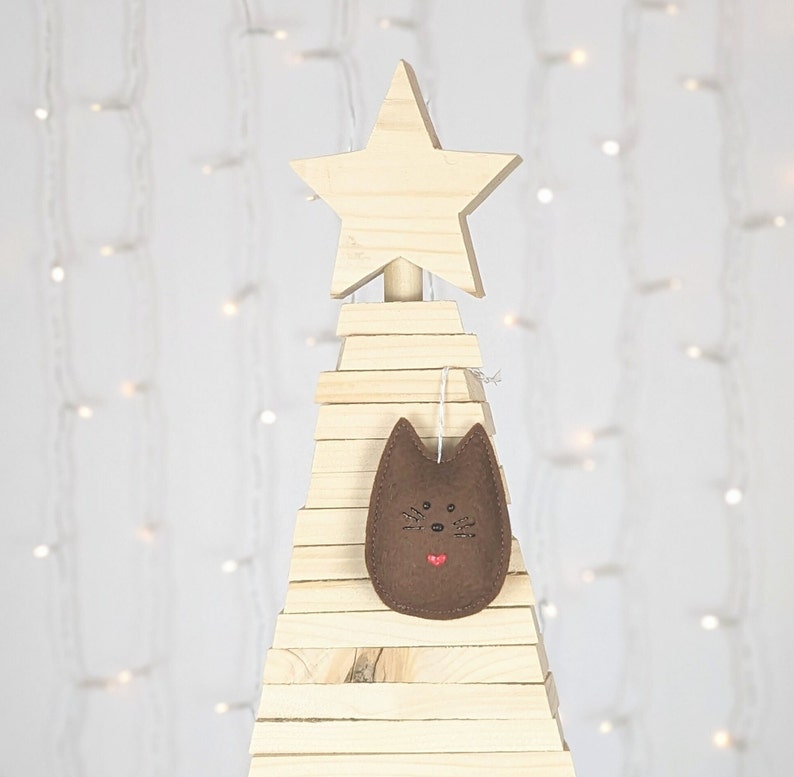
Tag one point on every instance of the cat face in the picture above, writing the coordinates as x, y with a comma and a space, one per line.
438, 534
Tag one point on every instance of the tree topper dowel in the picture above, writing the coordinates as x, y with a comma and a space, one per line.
403, 200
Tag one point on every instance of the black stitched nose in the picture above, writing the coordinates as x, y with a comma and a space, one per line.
437, 527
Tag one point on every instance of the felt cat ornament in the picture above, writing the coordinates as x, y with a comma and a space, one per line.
438, 534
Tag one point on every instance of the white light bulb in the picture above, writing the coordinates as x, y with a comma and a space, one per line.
577, 57
124, 677
42, 551
694, 351
549, 609
544, 195
222, 707
722, 739
584, 438
733, 496
611, 147
57, 273
710, 622
147, 533
85, 412
229, 566
588, 465
207, 169
230, 308
128, 389
42, 114
267, 417
606, 727
779, 221
280, 34
588, 576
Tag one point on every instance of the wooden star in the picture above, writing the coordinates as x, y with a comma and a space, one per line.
403, 197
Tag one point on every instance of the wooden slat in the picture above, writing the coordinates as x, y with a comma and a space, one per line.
346, 562
362, 455
504, 664
354, 386
405, 736
399, 318
519, 664
409, 352
330, 527
385, 701
359, 595
386, 628
376, 421
350, 489
551, 764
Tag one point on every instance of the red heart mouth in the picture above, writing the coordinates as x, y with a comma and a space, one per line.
438, 560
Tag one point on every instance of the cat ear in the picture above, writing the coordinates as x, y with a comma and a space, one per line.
404, 444
474, 444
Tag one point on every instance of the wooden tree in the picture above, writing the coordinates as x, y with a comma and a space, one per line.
352, 688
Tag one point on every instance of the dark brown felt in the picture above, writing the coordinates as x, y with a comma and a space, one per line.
475, 567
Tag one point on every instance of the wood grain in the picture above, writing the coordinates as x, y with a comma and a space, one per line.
538, 764
503, 664
409, 352
381, 701
440, 317
365, 386
405, 736
376, 421
491, 626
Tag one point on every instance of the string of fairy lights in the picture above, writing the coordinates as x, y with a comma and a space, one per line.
260, 483
551, 460
628, 708
254, 336
733, 617
66, 407
627, 711
72, 405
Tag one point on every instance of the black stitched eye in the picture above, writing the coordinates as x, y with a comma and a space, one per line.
426, 505
450, 508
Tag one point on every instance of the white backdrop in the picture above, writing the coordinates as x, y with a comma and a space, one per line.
165, 280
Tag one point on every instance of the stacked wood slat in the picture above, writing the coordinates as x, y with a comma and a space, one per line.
352, 688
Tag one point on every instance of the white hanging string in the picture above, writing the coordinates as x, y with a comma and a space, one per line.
443, 391
483, 378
